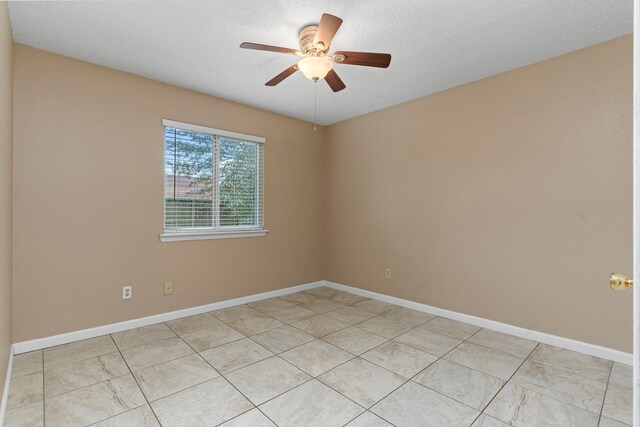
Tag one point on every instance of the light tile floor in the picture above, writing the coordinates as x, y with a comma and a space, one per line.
316, 358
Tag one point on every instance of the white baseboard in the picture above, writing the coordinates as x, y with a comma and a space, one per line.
7, 384
37, 344
582, 347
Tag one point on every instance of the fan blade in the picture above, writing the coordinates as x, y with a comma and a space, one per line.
334, 82
257, 46
368, 59
283, 75
327, 28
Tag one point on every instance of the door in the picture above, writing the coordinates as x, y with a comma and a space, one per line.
636, 213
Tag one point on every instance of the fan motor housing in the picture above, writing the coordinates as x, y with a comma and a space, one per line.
307, 35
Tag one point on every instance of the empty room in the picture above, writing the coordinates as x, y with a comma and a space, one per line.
317, 214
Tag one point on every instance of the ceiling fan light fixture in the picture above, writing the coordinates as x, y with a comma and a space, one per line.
315, 67
315, 42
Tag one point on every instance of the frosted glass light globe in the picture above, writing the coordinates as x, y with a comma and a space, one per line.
315, 67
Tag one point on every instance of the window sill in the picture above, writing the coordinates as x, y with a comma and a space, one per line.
176, 236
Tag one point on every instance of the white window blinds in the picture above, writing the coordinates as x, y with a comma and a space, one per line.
213, 180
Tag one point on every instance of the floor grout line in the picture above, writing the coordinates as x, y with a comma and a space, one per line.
316, 378
561, 369
222, 376
511, 377
504, 385
136, 381
604, 396
443, 358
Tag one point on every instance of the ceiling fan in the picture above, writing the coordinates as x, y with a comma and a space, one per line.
315, 41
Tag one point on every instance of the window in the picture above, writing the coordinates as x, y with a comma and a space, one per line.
213, 183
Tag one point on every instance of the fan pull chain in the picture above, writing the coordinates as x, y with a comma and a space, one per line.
315, 105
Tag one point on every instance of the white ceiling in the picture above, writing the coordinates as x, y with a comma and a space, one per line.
435, 44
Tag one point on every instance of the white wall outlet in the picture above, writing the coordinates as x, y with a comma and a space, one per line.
126, 291
168, 288
387, 273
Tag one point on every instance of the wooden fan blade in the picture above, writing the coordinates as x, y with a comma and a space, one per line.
334, 82
327, 28
368, 59
258, 46
283, 75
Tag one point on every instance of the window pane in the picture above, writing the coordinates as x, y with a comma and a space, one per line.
188, 186
240, 201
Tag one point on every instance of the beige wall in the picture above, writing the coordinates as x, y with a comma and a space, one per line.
509, 198
6, 175
88, 190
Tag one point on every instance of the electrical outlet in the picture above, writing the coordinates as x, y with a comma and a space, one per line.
168, 288
387, 273
126, 291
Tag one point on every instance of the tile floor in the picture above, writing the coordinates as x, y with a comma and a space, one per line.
316, 358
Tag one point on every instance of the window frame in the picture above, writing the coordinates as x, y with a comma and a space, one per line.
220, 232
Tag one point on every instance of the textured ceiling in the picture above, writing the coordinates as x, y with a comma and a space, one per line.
436, 44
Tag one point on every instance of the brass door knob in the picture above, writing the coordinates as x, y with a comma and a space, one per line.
618, 282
